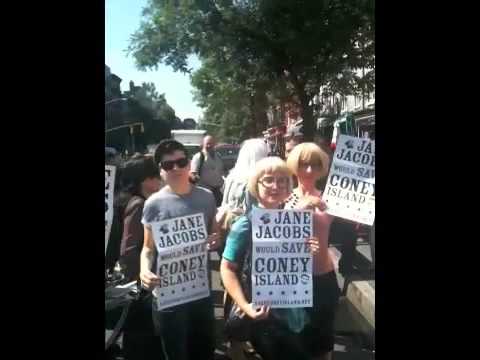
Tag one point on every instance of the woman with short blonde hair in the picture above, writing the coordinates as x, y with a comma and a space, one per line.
271, 164
308, 153
275, 334
309, 163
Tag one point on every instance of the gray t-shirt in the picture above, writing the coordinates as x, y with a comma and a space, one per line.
166, 205
212, 170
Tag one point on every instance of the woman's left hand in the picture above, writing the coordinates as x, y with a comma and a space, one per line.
313, 244
312, 202
213, 241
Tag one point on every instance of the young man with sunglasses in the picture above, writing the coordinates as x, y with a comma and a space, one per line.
186, 330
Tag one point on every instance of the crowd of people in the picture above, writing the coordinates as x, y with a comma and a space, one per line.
167, 185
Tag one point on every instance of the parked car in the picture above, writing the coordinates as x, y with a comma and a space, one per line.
228, 153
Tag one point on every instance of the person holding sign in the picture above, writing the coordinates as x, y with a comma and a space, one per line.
140, 179
186, 328
275, 333
309, 163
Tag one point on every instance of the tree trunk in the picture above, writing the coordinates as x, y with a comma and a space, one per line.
259, 119
307, 115
252, 125
363, 88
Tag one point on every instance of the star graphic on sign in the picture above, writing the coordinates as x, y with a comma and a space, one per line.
164, 228
349, 144
265, 218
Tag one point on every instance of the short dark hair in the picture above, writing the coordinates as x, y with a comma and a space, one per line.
168, 146
132, 175
135, 171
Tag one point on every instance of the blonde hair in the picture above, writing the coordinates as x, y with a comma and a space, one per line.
271, 164
251, 151
308, 152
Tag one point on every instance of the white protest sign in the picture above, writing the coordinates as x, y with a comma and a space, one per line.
182, 252
281, 260
350, 189
109, 186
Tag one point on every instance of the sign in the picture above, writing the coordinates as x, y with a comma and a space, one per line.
350, 189
182, 252
109, 186
281, 259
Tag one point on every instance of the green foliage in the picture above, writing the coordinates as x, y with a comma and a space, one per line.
270, 50
144, 106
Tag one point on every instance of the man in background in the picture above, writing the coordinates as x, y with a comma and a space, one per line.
207, 169
293, 137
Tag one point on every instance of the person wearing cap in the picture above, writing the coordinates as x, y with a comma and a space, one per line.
293, 137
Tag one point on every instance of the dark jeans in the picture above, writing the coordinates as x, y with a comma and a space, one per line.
139, 339
274, 341
138, 346
187, 331
319, 333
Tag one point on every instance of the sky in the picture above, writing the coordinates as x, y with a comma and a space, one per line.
122, 18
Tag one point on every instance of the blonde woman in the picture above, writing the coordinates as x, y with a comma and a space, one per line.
276, 333
309, 163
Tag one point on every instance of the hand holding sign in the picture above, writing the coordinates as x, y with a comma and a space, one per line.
149, 280
350, 188
313, 244
311, 202
260, 313
213, 241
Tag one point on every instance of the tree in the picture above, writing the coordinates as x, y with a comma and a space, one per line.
297, 46
189, 124
226, 104
145, 105
161, 115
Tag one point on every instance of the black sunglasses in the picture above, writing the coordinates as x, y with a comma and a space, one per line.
169, 164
